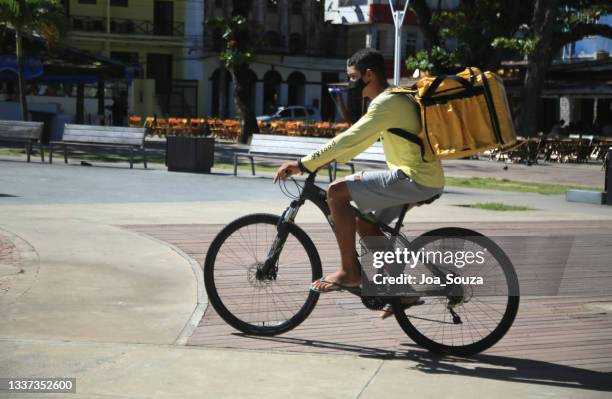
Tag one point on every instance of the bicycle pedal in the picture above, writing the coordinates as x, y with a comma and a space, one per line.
374, 302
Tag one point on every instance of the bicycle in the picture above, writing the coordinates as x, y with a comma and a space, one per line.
268, 293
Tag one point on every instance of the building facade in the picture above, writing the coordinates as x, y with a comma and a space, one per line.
578, 89
298, 56
593, 47
161, 39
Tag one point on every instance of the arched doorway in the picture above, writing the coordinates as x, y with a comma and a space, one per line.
272, 81
296, 83
215, 79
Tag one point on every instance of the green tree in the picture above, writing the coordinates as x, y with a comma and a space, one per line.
485, 32
554, 24
26, 17
236, 53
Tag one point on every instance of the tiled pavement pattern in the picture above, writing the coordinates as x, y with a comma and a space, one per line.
549, 332
9, 262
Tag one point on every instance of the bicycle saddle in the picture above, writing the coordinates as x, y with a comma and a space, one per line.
411, 205
427, 201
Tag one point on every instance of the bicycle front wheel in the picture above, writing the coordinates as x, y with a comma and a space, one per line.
469, 321
253, 305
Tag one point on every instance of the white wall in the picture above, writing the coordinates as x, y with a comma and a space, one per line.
68, 104
194, 43
312, 92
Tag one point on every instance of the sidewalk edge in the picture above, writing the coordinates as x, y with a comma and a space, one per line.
202, 298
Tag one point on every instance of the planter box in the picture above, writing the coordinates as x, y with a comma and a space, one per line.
587, 197
190, 154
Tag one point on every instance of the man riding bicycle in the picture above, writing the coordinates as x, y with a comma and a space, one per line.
409, 179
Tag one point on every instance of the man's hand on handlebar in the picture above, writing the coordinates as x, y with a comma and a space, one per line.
287, 169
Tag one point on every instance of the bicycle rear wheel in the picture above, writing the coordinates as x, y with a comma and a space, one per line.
484, 319
254, 305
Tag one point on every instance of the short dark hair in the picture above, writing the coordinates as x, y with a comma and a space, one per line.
369, 58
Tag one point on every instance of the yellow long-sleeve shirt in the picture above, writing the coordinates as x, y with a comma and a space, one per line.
386, 111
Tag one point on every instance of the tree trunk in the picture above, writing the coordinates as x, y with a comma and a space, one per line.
538, 63
424, 15
20, 75
244, 105
223, 92
240, 76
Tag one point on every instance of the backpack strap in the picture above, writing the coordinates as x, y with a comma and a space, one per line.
467, 85
413, 138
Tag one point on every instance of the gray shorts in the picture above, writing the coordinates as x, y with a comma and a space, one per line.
385, 192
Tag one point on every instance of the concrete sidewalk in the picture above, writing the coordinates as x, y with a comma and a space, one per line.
160, 371
96, 282
112, 307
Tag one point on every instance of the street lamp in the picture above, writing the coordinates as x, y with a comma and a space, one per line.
398, 21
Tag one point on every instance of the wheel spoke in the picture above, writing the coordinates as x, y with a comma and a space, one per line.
260, 304
484, 319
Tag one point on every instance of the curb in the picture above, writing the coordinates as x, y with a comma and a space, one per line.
202, 298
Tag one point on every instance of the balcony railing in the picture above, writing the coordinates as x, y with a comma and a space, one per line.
126, 26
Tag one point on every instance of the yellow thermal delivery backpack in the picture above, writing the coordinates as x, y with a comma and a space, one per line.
461, 115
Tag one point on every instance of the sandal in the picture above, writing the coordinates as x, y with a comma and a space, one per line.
338, 287
405, 302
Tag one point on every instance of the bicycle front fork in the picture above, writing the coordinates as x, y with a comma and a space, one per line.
269, 269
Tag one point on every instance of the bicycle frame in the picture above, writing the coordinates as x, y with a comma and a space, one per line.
317, 195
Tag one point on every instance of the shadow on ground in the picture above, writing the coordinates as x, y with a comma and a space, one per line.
511, 369
492, 367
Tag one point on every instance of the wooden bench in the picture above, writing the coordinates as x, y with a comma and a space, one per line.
281, 148
102, 136
28, 132
286, 147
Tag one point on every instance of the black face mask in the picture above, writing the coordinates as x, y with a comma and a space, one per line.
358, 85
356, 99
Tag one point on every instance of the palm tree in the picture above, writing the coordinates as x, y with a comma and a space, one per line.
26, 17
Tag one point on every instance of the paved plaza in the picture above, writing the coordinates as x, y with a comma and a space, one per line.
101, 280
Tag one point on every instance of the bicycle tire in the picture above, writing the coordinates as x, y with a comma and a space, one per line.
507, 319
217, 302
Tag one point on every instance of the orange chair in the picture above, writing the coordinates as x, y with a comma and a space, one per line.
148, 125
149, 122
162, 126
264, 127
295, 128
279, 127
233, 129
217, 128
134, 121
196, 126
178, 126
